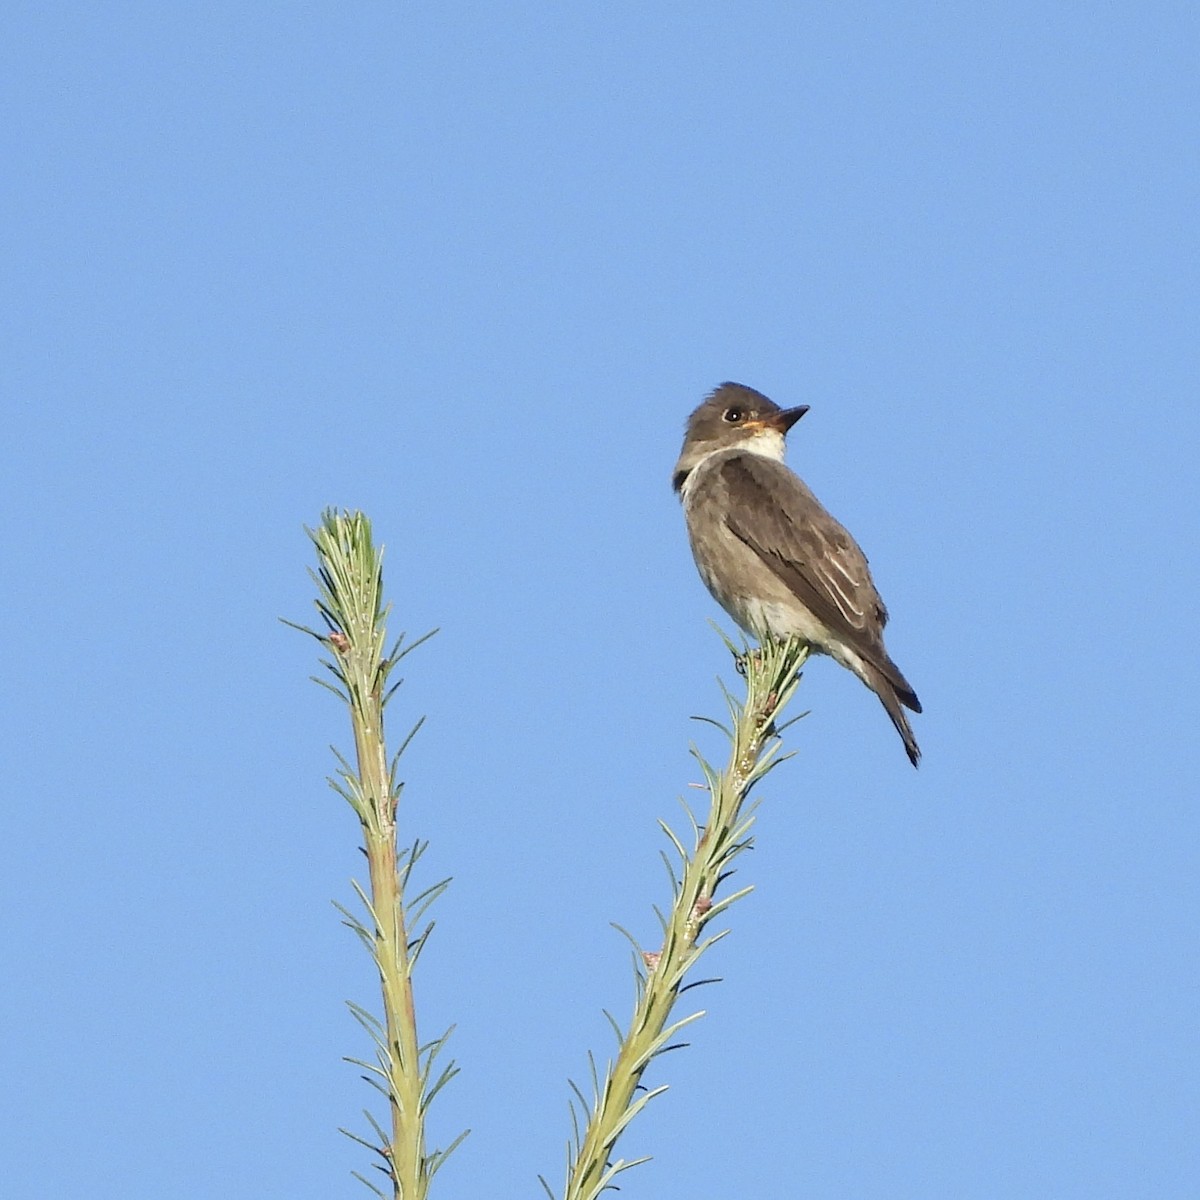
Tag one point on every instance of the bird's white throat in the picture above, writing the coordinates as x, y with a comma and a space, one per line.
767, 442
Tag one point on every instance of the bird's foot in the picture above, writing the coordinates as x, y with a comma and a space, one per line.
740, 660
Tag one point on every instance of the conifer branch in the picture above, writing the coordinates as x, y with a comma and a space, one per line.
772, 676
349, 580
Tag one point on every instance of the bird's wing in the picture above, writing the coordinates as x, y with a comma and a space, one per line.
774, 513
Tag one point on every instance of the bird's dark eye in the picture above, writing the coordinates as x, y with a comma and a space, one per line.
734, 415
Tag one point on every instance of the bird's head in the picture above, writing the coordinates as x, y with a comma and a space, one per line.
734, 417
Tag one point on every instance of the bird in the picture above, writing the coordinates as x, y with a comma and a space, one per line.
771, 555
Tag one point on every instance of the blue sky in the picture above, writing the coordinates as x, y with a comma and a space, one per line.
468, 267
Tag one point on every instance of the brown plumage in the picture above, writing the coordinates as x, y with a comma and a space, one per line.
769, 552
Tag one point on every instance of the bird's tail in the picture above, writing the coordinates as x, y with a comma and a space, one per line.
892, 697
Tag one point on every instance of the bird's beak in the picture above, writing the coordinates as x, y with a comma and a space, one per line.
786, 418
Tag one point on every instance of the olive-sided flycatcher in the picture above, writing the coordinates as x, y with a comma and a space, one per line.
772, 557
